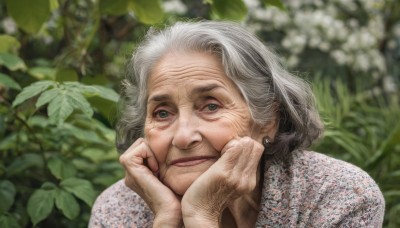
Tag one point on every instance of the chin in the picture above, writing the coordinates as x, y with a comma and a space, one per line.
181, 183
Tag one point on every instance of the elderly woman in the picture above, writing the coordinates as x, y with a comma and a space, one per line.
215, 134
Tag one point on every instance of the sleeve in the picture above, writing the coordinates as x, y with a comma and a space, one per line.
369, 214
119, 206
349, 199
94, 221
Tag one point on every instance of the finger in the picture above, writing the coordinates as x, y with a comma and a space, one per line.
148, 155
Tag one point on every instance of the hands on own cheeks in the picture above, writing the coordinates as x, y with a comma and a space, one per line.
140, 167
232, 175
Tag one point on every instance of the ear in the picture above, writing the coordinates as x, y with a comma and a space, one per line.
270, 128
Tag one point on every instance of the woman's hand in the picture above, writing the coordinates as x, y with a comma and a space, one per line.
233, 175
141, 168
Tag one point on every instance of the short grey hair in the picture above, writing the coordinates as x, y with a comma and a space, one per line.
269, 90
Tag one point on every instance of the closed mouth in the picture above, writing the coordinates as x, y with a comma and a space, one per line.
191, 161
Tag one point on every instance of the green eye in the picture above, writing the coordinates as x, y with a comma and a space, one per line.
212, 107
162, 114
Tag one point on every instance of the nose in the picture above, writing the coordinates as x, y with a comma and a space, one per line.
186, 133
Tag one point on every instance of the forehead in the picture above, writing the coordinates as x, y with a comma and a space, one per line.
177, 68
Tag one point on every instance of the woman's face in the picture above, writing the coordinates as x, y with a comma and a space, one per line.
193, 110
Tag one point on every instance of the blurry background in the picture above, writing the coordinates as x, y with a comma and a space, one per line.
61, 61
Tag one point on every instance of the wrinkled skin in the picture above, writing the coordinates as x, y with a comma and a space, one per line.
201, 151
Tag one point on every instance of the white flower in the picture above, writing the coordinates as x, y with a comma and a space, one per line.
9, 25
361, 62
339, 56
292, 61
174, 7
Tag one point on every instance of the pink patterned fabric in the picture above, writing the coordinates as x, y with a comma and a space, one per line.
309, 190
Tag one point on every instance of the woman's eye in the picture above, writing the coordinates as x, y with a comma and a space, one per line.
212, 107
162, 114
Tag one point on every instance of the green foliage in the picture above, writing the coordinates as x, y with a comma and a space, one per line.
232, 10
12, 62
7, 194
31, 18
40, 205
363, 129
276, 3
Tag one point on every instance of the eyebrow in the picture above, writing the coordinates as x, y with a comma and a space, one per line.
205, 88
199, 89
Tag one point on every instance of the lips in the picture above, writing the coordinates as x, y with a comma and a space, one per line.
191, 161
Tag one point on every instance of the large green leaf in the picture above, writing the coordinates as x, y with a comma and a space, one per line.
31, 91
46, 97
7, 194
119, 7
60, 168
147, 11
40, 205
59, 108
79, 102
101, 91
88, 135
12, 62
24, 162
67, 203
7, 81
9, 44
229, 9
29, 15
81, 188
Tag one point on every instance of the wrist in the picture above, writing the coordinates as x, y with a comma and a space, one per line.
168, 217
194, 217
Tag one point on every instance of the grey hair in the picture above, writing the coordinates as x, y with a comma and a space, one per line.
269, 90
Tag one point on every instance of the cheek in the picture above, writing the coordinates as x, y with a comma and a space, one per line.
226, 128
159, 142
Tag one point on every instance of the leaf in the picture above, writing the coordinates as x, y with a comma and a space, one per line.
40, 205
54, 5
276, 3
31, 91
107, 93
386, 147
59, 108
28, 16
101, 91
7, 195
12, 62
94, 90
43, 73
24, 162
61, 168
9, 44
115, 8
8, 82
84, 135
8, 221
147, 11
67, 204
229, 9
81, 188
79, 102
46, 97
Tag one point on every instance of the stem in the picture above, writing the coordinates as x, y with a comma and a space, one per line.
35, 139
